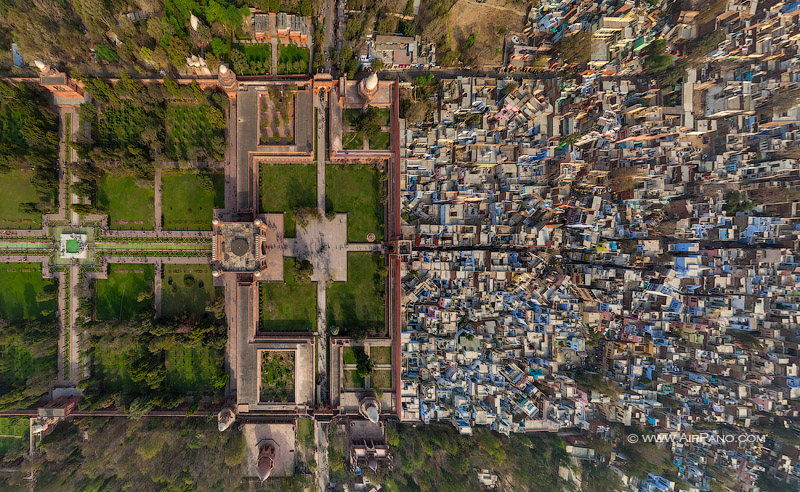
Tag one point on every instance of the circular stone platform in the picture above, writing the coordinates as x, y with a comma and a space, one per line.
240, 246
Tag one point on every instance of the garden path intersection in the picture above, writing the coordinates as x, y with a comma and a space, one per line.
256, 255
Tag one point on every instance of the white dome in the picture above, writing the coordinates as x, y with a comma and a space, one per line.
258, 222
372, 82
39, 64
223, 69
194, 21
372, 414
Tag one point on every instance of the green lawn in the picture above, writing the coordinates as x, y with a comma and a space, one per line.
357, 306
21, 283
8, 429
111, 364
381, 355
186, 289
305, 434
353, 189
352, 380
285, 187
293, 59
188, 204
193, 369
288, 306
16, 188
189, 130
380, 142
349, 355
352, 115
117, 296
381, 379
127, 201
352, 141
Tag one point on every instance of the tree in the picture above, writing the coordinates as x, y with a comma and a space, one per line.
364, 364
470, 42
303, 270
377, 65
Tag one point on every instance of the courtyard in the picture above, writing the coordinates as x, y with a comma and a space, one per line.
189, 200
276, 116
357, 306
186, 290
277, 376
15, 190
25, 294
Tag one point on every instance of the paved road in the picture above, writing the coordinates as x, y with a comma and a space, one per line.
157, 200
74, 333
451, 73
328, 37
323, 472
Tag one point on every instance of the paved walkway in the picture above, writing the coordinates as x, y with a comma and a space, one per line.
159, 234
74, 332
157, 288
321, 152
274, 56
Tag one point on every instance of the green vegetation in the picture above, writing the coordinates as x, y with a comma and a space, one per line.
436, 457
288, 306
293, 59
364, 365
286, 188
21, 204
186, 290
358, 304
367, 124
28, 359
13, 442
352, 380
251, 59
28, 142
349, 355
354, 190
161, 454
352, 141
305, 433
127, 201
138, 124
277, 376
191, 369
379, 141
657, 58
190, 127
25, 294
736, 202
188, 200
576, 48
127, 291
381, 355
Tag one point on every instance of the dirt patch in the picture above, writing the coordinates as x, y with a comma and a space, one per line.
487, 21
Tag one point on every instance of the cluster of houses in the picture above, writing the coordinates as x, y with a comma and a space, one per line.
597, 255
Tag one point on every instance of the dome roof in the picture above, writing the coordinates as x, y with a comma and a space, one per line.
372, 82
372, 414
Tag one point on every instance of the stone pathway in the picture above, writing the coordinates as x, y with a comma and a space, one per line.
74, 332
157, 199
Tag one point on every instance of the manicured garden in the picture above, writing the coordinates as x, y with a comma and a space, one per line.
285, 188
352, 380
25, 295
193, 368
186, 290
379, 141
349, 355
288, 305
13, 430
357, 306
293, 59
16, 188
126, 292
354, 190
111, 363
127, 201
189, 129
277, 376
352, 141
188, 200
251, 59
276, 115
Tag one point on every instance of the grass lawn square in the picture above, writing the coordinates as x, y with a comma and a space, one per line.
380, 142
193, 369
381, 379
117, 296
285, 187
16, 188
277, 376
288, 305
189, 128
187, 205
21, 283
258, 58
186, 289
353, 190
358, 304
381, 355
352, 380
305, 434
293, 59
349, 355
352, 141
127, 201
8, 430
